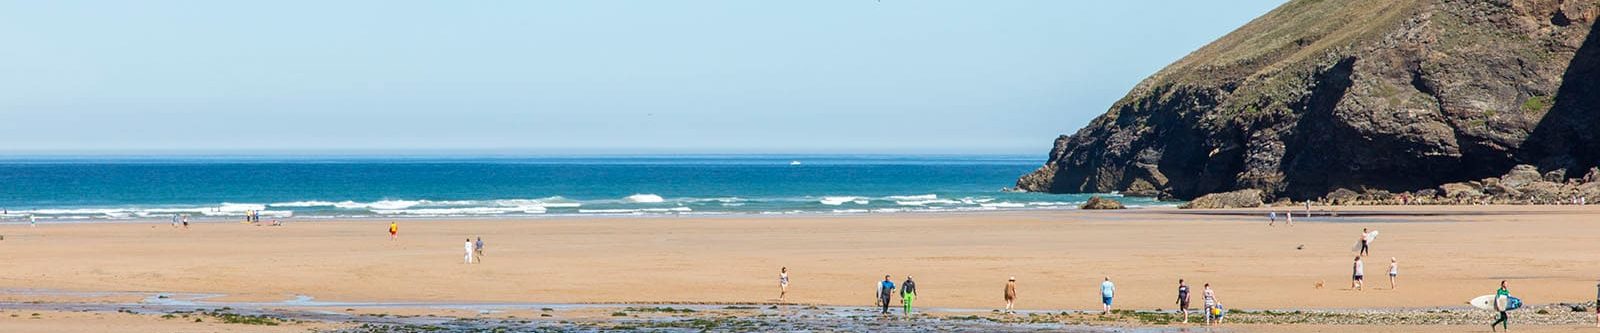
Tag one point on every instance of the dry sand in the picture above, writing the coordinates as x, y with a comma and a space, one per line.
1447, 255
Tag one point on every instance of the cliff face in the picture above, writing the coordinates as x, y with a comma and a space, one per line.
1318, 95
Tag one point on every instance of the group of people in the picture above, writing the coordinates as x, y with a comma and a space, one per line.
886, 293
474, 251
1358, 276
180, 220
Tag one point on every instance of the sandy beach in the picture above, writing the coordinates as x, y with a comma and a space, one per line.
1447, 255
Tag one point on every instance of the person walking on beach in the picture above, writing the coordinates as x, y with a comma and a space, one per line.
885, 289
174, 221
478, 247
468, 248
1183, 300
185, 222
1107, 289
1211, 309
394, 231
1366, 238
1011, 294
1504, 321
783, 283
1288, 217
1394, 270
908, 293
33, 221
1272, 217
1355, 279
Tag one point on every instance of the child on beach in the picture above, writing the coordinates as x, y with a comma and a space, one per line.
1394, 270
468, 247
1107, 289
1355, 279
394, 231
1183, 300
1011, 294
783, 283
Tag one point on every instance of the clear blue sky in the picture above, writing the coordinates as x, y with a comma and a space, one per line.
847, 76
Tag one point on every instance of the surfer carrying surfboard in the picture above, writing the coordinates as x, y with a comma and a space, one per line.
1504, 321
1366, 238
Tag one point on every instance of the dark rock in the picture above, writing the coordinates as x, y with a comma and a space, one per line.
1246, 198
1096, 202
1460, 191
1319, 95
1556, 176
1343, 196
1543, 192
1520, 175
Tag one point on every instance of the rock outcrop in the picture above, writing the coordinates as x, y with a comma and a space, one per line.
1397, 96
1246, 198
1096, 202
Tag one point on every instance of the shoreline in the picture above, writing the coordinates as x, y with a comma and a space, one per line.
960, 259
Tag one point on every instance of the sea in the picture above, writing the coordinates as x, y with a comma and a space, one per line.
96, 188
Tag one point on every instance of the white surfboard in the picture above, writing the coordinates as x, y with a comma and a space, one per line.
1485, 302
1496, 302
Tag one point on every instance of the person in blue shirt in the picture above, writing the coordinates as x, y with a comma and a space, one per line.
1107, 290
885, 290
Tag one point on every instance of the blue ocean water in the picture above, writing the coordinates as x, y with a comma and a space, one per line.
364, 187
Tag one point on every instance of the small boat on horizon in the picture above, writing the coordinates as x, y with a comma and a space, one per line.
794, 162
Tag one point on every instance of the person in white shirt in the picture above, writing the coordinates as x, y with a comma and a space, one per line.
1355, 279
468, 247
1107, 290
783, 283
1394, 270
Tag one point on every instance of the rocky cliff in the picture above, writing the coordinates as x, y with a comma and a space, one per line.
1321, 95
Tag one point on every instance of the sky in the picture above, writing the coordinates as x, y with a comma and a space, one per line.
576, 77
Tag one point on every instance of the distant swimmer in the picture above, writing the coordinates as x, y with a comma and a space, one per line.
1011, 294
783, 283
394, 231
1107, 290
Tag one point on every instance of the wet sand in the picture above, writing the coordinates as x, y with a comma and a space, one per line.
960, 261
